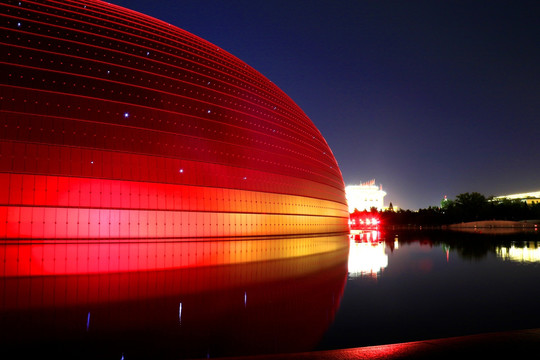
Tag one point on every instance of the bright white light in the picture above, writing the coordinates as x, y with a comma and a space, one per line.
181, 170
367, 259
126, 115
528, 254
365, 196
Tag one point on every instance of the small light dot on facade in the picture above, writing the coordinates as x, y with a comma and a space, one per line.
181, 171
126, 114
209, 111
18, 24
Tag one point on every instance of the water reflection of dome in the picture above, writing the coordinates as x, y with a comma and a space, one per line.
280, 305
117, 126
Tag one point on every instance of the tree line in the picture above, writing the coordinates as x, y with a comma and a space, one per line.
465, 207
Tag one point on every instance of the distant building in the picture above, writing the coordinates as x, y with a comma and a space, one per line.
530, 198
365, 196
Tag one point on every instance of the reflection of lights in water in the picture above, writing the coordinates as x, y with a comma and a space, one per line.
365, 235
180, 313
446, 249
88, 321
245, 298
524, 254
366, 258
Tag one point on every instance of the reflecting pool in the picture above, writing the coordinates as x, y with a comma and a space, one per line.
271, 295
226, 297
417, 285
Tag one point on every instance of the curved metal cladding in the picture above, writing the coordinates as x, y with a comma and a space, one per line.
115, 125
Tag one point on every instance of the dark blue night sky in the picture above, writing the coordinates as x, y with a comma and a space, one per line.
430, 98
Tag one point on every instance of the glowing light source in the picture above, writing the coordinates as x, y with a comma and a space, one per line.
365, 196
363, 220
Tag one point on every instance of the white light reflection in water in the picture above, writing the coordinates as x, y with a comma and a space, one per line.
367, 255
527, 254
180, 313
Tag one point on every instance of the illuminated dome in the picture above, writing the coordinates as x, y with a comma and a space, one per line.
116, 125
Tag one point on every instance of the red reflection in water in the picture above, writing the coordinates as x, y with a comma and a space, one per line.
282, 305
58, 257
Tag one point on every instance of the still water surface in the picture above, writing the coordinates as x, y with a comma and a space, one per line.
423, 285
382, 287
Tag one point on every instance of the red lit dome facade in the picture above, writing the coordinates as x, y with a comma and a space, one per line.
115, 125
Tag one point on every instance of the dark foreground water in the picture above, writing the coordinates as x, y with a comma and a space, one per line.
287, 295
422, 285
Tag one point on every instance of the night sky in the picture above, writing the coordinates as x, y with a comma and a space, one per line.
429, 98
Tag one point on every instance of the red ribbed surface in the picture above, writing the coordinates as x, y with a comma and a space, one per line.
115, 125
